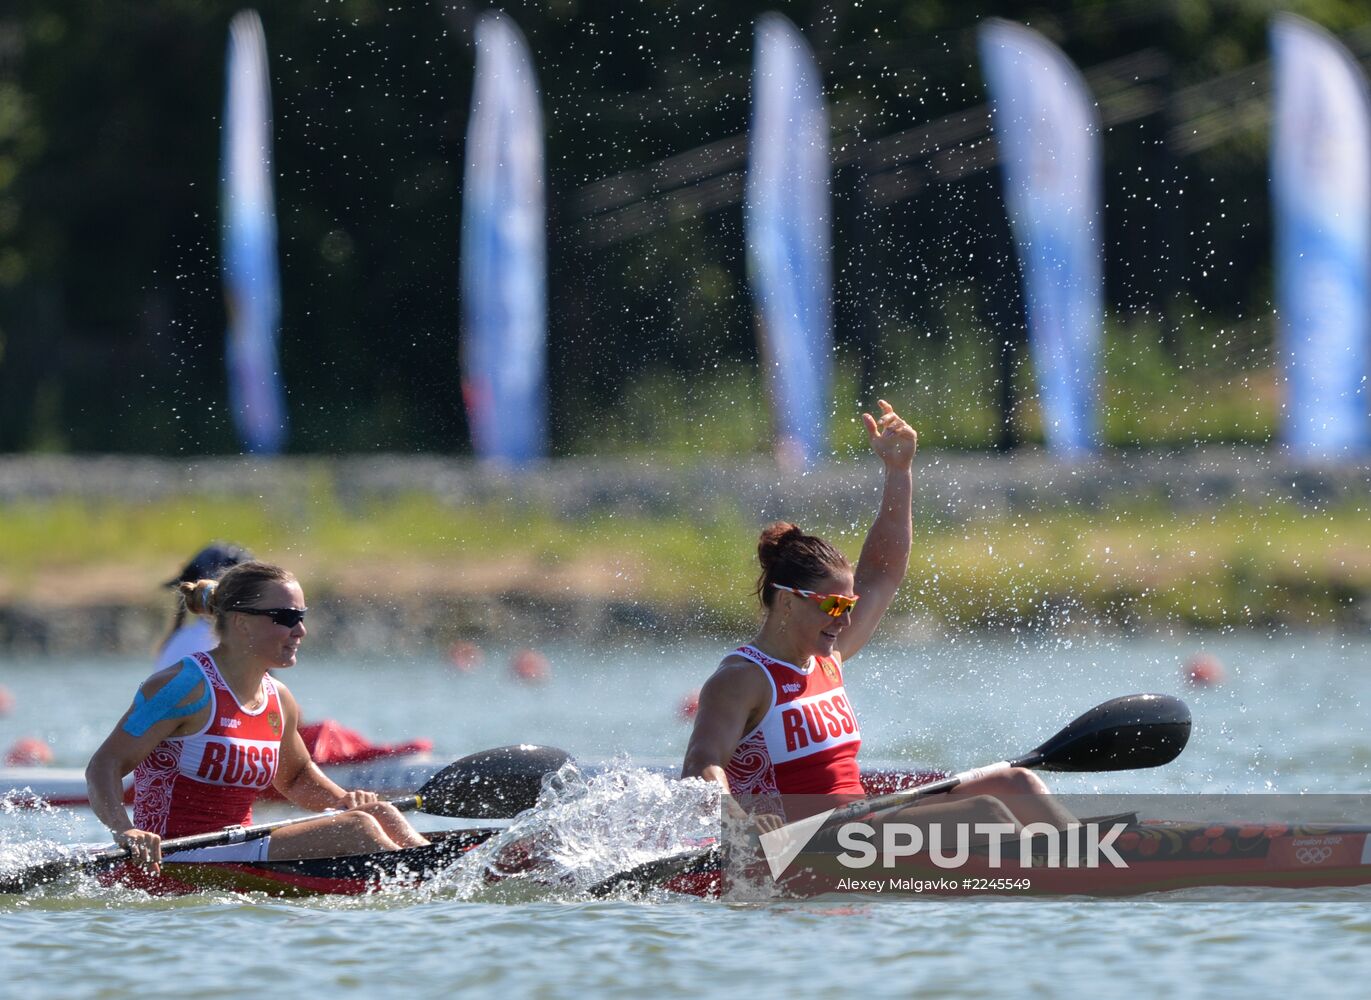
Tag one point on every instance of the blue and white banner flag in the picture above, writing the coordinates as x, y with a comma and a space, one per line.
1049, 146
1321, 187
248, 231
504, 296
788, 237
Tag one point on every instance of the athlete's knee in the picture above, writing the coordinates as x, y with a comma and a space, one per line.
365, 824
381, 811
1022, 781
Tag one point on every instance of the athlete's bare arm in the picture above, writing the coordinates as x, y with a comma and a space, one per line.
885, 553
732, 702
122, 752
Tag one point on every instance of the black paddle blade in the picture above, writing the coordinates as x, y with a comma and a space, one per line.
1135, 731
652, 874
32, 876
35, 875
492, 784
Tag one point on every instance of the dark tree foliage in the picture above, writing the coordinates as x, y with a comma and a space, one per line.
111, 315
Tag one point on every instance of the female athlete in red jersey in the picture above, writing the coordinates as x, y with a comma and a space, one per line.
205, 736
775, 719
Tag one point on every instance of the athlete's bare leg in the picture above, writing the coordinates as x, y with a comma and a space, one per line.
352, 832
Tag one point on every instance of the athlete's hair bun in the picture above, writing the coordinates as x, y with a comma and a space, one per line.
774, 540
199, 596
793, 559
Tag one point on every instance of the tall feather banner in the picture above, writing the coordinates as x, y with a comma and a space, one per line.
788, 237
1048, 137
504, 252
1321, 187
248, 220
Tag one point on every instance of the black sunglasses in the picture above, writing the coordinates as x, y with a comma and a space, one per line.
285, 617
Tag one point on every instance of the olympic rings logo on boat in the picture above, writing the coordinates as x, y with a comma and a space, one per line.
1313, 855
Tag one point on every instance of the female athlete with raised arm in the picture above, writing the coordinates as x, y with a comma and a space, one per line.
775, 718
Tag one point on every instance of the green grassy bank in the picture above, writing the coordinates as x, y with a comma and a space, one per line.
1235, 565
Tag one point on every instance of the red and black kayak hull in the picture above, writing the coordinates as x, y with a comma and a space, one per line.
1161, 856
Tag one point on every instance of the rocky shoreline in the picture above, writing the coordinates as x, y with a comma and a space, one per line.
953, 489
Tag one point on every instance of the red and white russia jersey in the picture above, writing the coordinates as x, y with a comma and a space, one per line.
807, 742
194, 784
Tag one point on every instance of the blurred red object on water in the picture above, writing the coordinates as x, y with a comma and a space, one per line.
530, 667
1203, 670
465, 656
28, 751
330, 742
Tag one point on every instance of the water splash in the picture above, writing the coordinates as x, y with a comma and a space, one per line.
32, 832
585, 828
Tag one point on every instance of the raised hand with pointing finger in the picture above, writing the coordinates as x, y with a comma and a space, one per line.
892, 439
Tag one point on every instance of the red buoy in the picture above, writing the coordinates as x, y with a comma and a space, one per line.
6, 700
529, 667
1203, 670
29, 751
465, 656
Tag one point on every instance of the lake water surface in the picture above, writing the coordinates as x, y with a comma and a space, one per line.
1290, 718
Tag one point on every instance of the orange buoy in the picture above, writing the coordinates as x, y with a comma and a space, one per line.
465, 656
28, 751
529, 667
6, 700
1203, 670
690, 704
